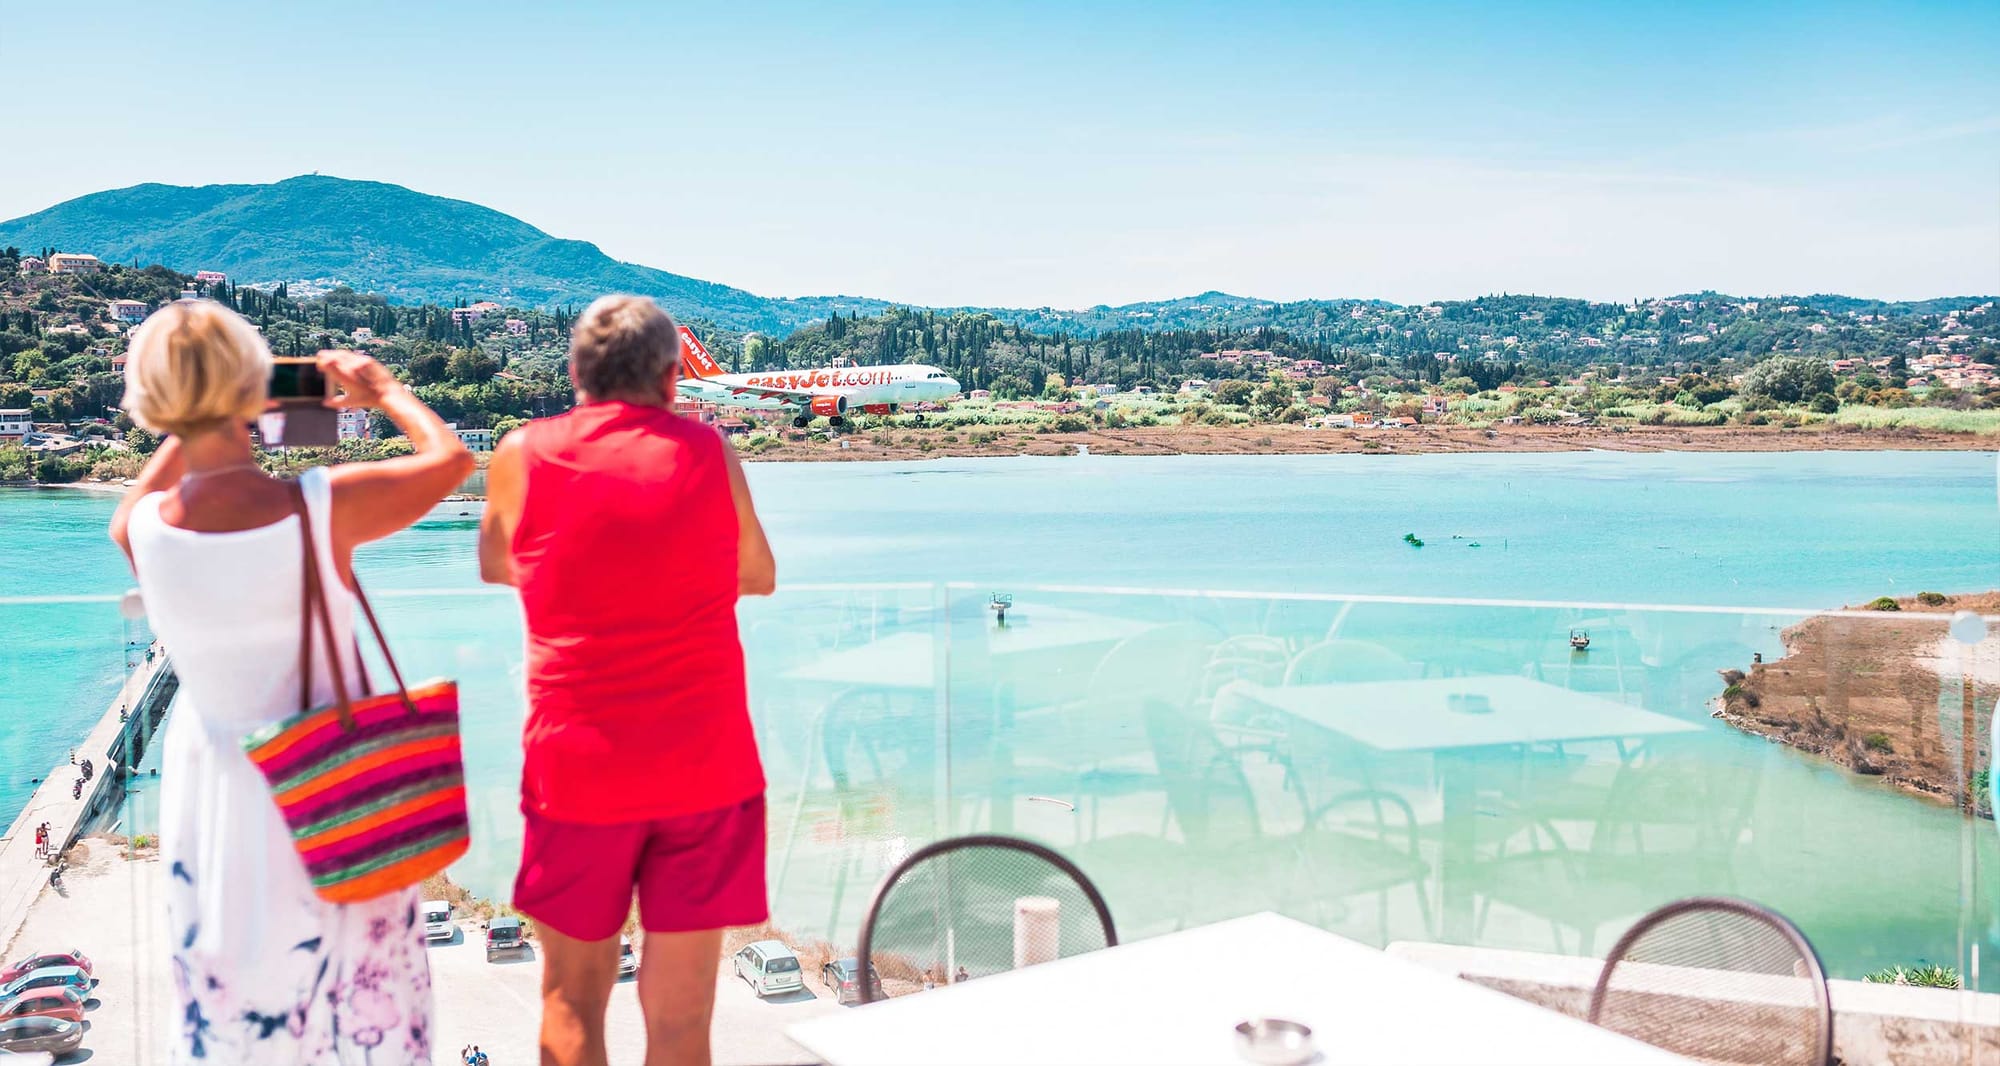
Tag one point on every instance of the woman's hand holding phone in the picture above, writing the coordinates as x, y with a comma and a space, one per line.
363, 382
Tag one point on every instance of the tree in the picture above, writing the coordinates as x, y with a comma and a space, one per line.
1825, 403
1010, 387
1234, 393
1788, 379
471, 366
429, 367
1275, 396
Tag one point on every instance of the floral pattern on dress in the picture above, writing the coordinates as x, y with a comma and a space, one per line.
356, 994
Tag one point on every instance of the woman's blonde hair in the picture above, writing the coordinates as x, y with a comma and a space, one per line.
195, 365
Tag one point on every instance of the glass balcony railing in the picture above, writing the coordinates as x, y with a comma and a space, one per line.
1527, 776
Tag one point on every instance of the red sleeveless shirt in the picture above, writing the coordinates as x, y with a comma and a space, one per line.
626, 560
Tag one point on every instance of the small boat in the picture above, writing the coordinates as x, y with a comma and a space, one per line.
1579, 640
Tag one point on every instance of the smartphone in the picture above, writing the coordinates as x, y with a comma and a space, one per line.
298, 379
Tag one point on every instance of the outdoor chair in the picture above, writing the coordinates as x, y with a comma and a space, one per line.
977, 905
1720, 980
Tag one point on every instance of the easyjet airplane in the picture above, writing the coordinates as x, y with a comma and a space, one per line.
829, 392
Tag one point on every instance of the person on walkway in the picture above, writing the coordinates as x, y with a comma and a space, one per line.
267, 973
630, 533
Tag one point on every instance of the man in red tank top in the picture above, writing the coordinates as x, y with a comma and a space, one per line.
630, 534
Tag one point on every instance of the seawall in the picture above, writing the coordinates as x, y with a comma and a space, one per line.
116, 744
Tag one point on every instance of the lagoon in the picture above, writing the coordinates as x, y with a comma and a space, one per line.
861, 772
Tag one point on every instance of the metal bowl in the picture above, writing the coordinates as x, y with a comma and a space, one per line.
1275, 1041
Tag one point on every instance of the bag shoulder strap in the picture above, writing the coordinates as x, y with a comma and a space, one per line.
314, 608
367, 611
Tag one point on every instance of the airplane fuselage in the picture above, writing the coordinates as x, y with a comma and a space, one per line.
857, 387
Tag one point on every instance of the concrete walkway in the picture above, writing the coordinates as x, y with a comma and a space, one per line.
112, 909
23, 875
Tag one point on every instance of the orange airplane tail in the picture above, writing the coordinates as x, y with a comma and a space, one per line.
695, 360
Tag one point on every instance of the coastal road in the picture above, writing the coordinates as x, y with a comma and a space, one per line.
110, 908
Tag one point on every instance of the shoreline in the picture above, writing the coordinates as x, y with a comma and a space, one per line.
903, 444
1868, 695
944, 442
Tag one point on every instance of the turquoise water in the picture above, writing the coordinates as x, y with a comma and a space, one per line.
1105, 723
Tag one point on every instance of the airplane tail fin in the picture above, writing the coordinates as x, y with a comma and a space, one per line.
695, 360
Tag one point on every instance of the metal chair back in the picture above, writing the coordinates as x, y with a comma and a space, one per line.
975, 905
1721, 980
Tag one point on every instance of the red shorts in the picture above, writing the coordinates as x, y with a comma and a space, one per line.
692, 872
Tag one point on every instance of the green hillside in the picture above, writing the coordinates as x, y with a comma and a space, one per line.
375, 237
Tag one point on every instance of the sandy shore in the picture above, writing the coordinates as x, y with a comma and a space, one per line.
939, 442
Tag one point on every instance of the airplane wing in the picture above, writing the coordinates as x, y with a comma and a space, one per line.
744, 396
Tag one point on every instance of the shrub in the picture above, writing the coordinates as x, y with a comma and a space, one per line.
60, 470
1541, 416
1732, 692
1878, 742
1884, 603
1932, 599
1922, 975
1234, 393
1825, 403
1069, 424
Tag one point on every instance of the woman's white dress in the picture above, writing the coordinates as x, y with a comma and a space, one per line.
267, 972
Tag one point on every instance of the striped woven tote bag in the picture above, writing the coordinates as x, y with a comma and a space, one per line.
372, 788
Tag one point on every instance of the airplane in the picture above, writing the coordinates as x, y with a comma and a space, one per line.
827, 392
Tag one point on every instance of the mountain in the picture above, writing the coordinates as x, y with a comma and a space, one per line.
413, 247
376, 237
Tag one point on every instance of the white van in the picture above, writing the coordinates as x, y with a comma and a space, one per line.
437, 921
769, 967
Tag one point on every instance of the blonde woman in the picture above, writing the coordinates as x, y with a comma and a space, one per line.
267, 972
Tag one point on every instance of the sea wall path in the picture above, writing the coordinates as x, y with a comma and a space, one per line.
114, 747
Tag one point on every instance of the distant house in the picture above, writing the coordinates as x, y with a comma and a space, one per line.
979, 394
210, 277
118, 363
476, 441
74, 263
1436, 407
352, 424
362, 335
16, 423
1105, 390
1331, 422
190, 294
517, 327
129, 311
698, 410
33, 264
732, 427
1400, 422
1193, 386
1316, 400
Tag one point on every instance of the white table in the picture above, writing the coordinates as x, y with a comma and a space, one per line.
1419, 716
1176, 999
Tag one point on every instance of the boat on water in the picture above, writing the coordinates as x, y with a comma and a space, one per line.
1579, 640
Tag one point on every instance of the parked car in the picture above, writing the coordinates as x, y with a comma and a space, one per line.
46, 1002
50, 1036
628, 960
55, 958
437, 920
504, 936
47, 977
842, 977
769, 967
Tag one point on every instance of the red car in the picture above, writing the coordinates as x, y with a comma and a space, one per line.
61, 1003
57, 958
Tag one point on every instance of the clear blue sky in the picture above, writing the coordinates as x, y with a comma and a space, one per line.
1064, 154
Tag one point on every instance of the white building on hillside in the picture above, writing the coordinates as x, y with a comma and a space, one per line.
15, 423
